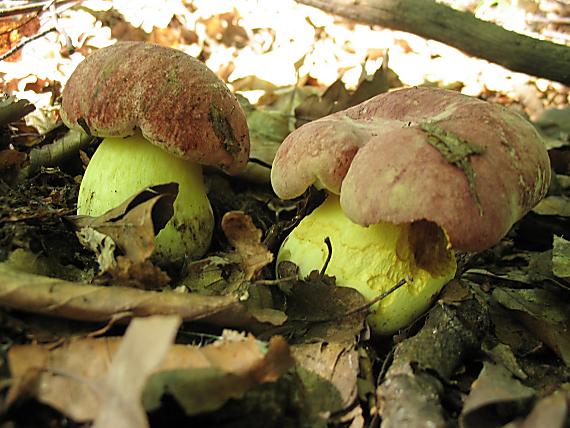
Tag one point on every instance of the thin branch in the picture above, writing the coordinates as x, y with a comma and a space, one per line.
277, 281
24, 42
377, 299
367, 305
33, 7
329, 255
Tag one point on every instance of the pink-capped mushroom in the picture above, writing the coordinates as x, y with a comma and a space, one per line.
162, 114
412, 175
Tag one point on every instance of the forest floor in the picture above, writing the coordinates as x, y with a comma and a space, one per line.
221, 341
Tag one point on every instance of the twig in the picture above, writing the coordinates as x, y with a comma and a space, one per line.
24, 43
329, 255
260, 162
378, 298
367, 305
34, 7
276, 281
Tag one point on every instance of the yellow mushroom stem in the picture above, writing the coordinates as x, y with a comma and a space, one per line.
373, 259
122, 167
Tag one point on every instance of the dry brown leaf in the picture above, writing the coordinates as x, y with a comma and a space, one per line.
327, 323
131, 227
336, 362
11, 160
381, 81
245, 237
70, 382
134, 224
204, 379
142, 350
335, 98
74, 300
551, 411
143, 275
494, 396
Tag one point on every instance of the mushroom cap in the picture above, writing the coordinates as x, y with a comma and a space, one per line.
381, 158
174, 99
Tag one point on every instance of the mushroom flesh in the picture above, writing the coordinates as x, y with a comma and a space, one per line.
412, 175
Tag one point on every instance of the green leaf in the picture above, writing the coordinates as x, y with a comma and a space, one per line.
457, 152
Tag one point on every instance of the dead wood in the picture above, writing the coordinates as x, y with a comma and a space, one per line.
411, 392
461, 30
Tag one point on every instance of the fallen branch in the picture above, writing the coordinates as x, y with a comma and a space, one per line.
461, 30
411, 391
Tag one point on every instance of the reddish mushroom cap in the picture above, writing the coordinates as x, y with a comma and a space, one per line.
385, 159
174, 99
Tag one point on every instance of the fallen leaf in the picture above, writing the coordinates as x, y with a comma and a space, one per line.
381, 81
134, 224
203, 379
200, 378
534, 301
102, 245
514, 334
147, 14
555, 123
335, 98
245, 237
551, 411
496, 398
329, 370
131, 227
455, 292
127, 273
12, 109
11, 162
83, 302
561, 257
325, 322
543, 313
214, 275
141, 351
457, 152
25, 261
502, 354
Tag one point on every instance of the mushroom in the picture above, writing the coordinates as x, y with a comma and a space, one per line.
162, 114
412, 176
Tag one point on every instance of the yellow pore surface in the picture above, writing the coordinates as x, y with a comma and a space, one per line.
122, 167
373, 259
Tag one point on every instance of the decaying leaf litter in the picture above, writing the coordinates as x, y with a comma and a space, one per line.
494, 348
